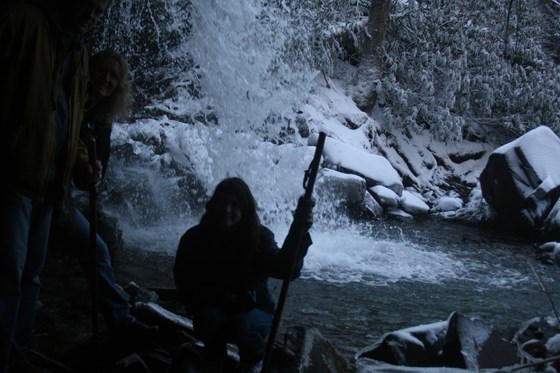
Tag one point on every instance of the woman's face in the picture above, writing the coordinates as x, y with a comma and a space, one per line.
229, 213
105, 77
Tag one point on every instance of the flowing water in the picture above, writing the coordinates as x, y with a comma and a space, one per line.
354, 292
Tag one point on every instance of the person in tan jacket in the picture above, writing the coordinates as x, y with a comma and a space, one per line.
43, 85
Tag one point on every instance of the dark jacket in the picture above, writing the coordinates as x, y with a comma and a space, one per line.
213, 268
30, 65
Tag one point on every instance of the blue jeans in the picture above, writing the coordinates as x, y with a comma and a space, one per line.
24, 231
112, 305
247, 330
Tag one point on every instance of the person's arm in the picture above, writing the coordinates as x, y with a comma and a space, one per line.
86, 174
276, 262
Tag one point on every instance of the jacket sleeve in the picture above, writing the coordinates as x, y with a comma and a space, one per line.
277, 262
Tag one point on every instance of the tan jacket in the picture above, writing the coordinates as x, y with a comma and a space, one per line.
30, 44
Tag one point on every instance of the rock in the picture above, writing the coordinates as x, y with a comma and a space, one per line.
447, 203
539, 338
471, 343
549, 252
302, 349
344, 187
413, 204
521, 181
349, 191
399, 214
375, 169
459, 342
415, 346
385, 196
371, 205
310, 352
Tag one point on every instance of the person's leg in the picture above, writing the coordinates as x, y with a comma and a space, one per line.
30, 282
113, 306
15, 218
249, 332
210, 325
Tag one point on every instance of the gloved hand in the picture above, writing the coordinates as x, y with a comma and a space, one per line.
304, 211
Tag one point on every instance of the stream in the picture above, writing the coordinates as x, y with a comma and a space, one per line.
428, 270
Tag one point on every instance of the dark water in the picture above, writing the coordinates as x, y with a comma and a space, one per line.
495, 284
500, 288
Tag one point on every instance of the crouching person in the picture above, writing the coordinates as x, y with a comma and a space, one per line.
222, 269
109, 99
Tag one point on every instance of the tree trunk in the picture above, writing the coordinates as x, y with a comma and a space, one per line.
371, 63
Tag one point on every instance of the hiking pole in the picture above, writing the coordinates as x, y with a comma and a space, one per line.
546, 292
308, 184
92, 155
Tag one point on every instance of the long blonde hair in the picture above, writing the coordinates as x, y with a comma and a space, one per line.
118, 104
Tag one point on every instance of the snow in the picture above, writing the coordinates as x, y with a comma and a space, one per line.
413, 204
371, 166
553, 345
447, 203
330, 110
385, 196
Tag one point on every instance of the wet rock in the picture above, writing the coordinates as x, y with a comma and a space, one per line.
310, 352
349, 192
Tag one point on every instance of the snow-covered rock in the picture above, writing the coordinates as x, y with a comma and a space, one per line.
460, 342
522, 181
375, 169
345, 187
413, 204
448, 203
549, 252
385, 196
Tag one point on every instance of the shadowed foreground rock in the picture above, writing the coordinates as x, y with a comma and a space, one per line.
460, 342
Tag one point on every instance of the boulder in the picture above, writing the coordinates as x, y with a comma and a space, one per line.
385, 196
413, 203
348, 191
460, 342
306, 350
521, 181
375, 169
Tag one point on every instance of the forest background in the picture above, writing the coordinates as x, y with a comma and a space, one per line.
462, 69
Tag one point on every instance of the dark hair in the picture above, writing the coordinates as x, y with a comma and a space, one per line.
249, 226
118, 103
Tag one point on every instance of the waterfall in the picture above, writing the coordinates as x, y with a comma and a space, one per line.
217, 91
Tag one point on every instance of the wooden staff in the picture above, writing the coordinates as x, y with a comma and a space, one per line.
308, 184
92, 155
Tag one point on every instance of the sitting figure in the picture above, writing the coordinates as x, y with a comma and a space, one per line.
222, 268
108, 98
